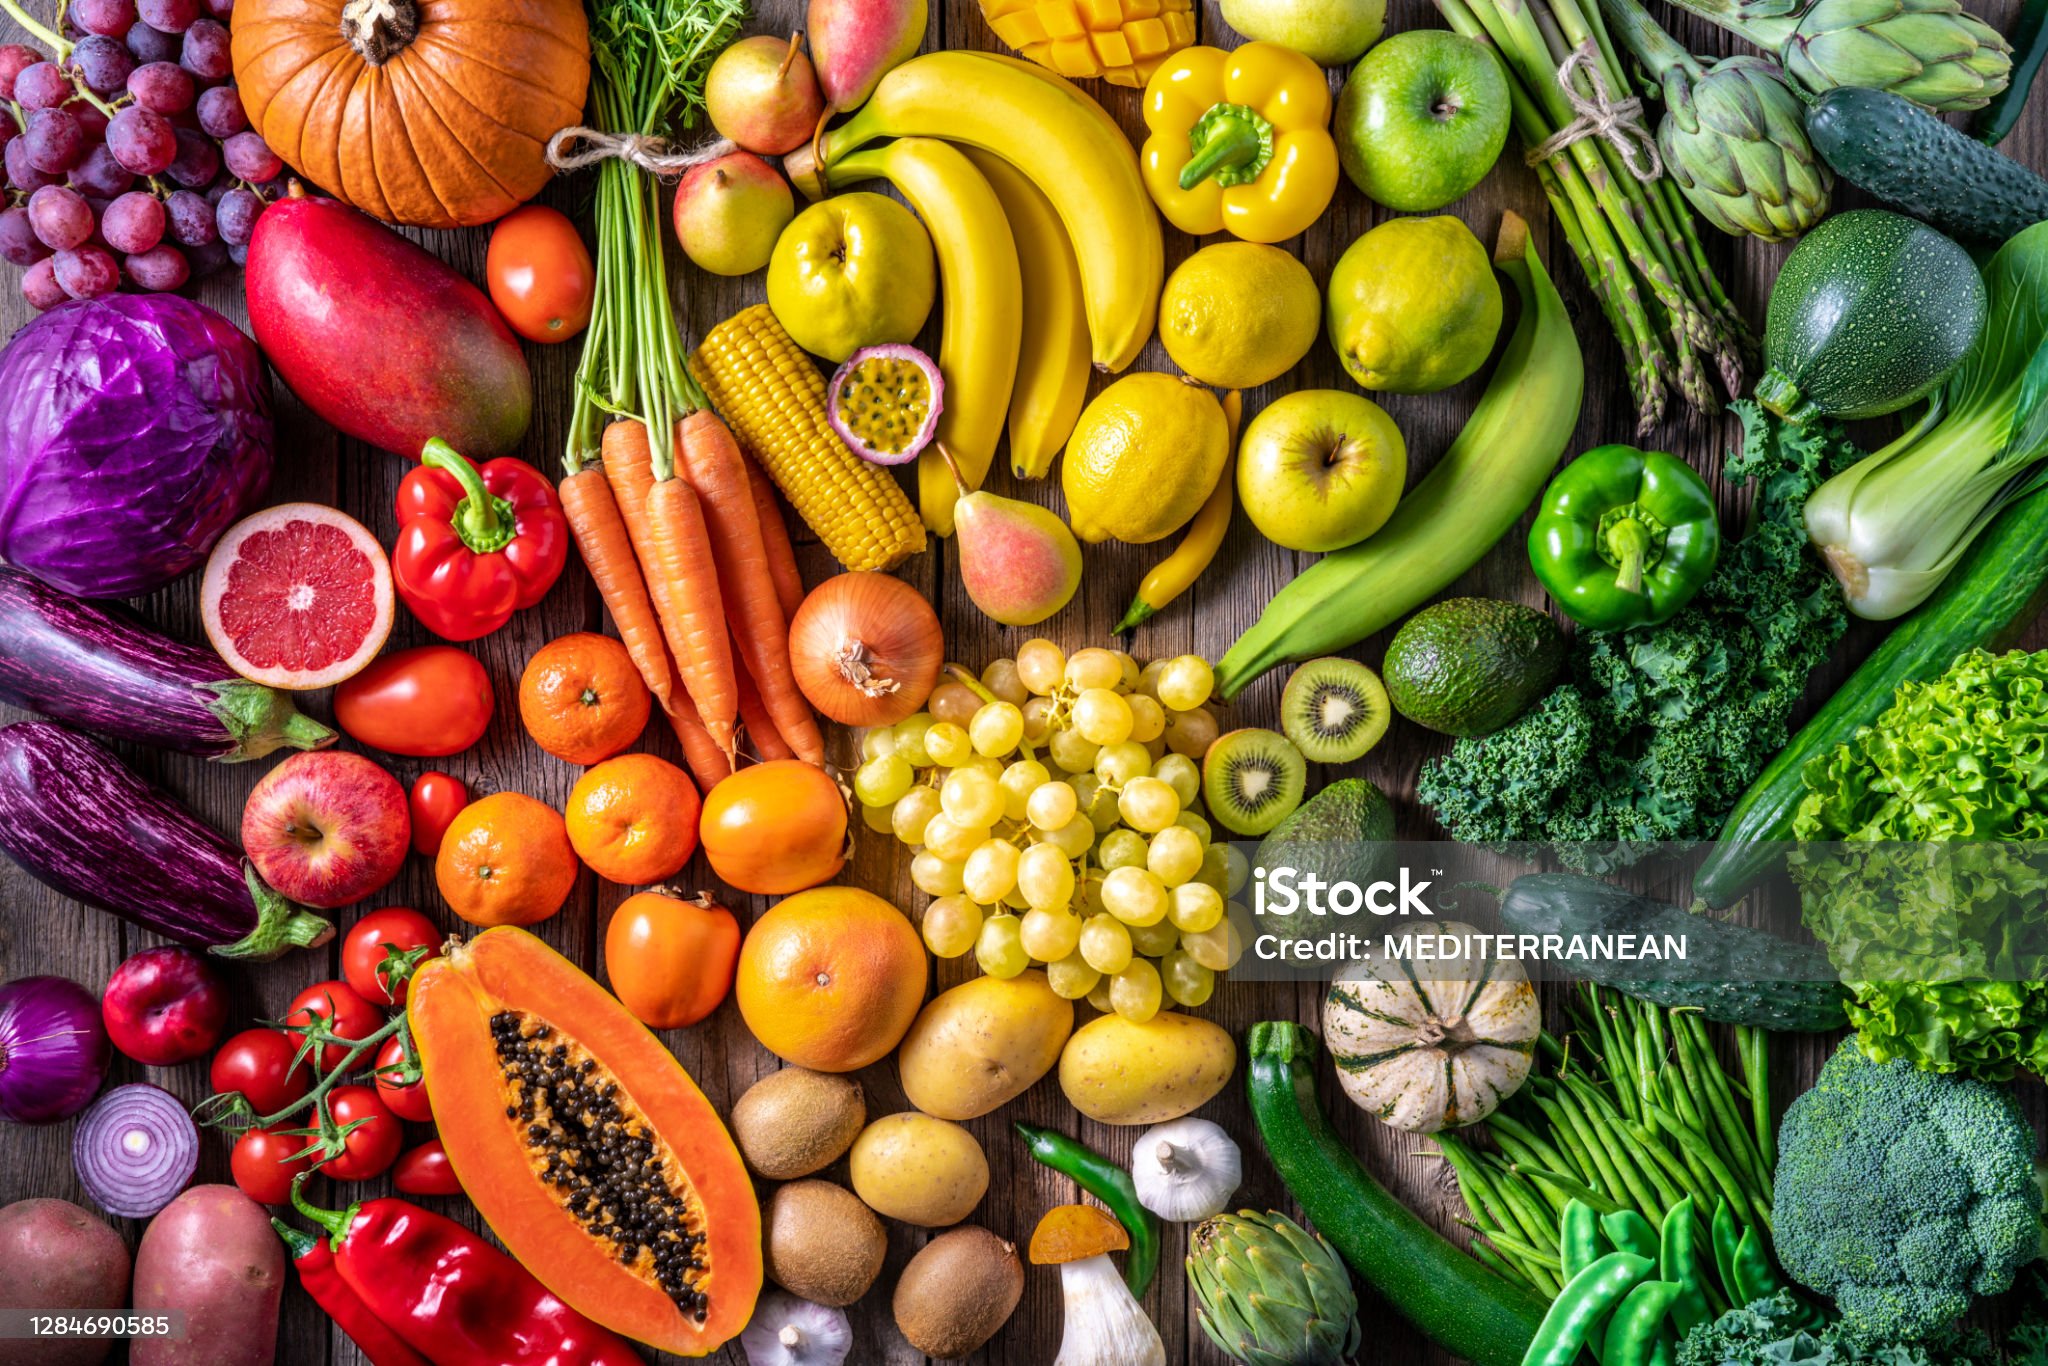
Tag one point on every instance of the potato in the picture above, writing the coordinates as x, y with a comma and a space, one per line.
59, 1259
1124, 1073
919, 1169
983, 1043
212, 1254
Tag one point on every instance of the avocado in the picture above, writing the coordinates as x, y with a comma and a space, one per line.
1340, 835
1468, 666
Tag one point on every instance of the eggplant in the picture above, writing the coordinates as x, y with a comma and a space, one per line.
100, 669
79, 822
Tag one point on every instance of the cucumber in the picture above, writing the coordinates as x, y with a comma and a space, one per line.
1733, 973
1870, 312
1995, 591
1463, 1307
1910, 159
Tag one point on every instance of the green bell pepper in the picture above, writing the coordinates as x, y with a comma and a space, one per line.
1624, 537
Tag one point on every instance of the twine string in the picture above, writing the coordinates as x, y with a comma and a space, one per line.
572, 149
1600, 115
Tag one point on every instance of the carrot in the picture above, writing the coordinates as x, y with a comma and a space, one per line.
789, 584
760, 728
608, 553
716, 469
708, 763
667, 529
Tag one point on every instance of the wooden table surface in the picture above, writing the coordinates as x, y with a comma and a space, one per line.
41, 932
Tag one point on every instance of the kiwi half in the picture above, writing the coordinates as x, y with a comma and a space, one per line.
1334, 710
1252, 780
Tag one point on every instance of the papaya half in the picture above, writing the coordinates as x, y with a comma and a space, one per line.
556, 1106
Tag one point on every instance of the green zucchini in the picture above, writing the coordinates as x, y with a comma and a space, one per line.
1733, 973
1990, 597
1869, 313
1910, 159
1463, 1307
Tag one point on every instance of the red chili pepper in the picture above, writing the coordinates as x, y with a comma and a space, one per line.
425, 1170
475, 545
453, 1297
315, 1261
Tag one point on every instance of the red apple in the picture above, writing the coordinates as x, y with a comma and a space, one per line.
763, 95
729, 212
327, 828
165, 1006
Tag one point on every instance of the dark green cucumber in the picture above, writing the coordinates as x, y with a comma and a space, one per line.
1910, 159
1991, 596
2029, 39
1459, 1304
1732, 973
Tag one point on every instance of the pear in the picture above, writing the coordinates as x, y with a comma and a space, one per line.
854, 43
1018, 561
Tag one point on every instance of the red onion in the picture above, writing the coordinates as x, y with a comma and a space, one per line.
53, 1049
135, 1150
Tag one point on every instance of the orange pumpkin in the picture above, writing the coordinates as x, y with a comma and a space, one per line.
433, 113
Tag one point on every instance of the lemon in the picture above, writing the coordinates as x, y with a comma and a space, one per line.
1238, 314
1414, 306
1143, 457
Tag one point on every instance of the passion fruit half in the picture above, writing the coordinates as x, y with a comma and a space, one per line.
885, 403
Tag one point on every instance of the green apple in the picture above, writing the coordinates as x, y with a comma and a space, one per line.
1320, 469
730, 212
851, 271
1331, 32
1422, 119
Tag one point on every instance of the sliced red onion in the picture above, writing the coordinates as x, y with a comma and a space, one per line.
53, 1049
135, 1150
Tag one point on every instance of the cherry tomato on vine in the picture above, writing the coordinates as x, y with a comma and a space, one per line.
374, 940
258, 1063
373, 1145
436, 800
425, 1170
540, 274
347, 1013
264, 1163
406, 1101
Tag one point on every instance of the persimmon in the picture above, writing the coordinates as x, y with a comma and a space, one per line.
633, 819
671, 961
506, 860
582, 699
775, 828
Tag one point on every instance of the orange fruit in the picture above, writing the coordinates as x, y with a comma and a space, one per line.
634, 819
582, 699
831, 979
506, 860
775, 828
670, 961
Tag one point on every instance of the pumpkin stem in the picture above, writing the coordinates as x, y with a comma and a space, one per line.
380, 29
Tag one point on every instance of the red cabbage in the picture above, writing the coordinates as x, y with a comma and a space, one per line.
136, 430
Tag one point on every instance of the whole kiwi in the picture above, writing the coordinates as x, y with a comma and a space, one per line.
957, 1291
796, 1121
821, 1243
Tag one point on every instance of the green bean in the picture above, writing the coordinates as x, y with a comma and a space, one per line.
1638, 1185
1582, 1162
1507, 1126
1586, 1299
1697, 1049
1636, 1326
1501, 1266
1726, 1237
1678, 1262
1536, 1267
1629, 1231
1531, 1216
1755, 1047
1703, 1153
1683, 1179
1569, 1190
1579, 1240
1755, 1277
1482, 1201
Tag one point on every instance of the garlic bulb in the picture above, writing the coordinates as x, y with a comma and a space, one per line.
787, 1331
1185, 1170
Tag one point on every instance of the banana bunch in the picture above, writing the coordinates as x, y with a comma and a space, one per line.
1049, 248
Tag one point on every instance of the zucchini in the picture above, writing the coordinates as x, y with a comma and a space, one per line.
1869, 313
1990, 597
1910, 159
1734, 974
1463, 1307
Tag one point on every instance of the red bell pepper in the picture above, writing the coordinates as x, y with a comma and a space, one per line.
475, 544
452, 1297
317, 1273
425, 1170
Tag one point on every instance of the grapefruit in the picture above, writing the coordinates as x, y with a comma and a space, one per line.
297, 596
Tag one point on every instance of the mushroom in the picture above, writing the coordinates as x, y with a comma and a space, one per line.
787, 1331
1186, 1170
1105, 1325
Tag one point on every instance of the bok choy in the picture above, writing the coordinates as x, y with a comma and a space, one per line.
1892, 525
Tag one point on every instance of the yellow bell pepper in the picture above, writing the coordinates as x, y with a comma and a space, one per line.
1239, 141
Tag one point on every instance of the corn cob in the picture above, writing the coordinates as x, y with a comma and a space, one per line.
1121, 41
772, 396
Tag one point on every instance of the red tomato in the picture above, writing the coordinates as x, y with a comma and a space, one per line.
540, 274
264, 1164
348, 1014
372, 1146
407, 1100
378, 937
425, 1170
427, 702
436, 798
258, 1063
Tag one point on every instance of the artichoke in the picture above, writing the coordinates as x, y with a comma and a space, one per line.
1734, 138
1271, 1293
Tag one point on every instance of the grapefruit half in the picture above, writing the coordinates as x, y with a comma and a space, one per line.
297, 596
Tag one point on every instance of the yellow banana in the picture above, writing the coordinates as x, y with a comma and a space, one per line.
981, 328
1064, 142
1052, 371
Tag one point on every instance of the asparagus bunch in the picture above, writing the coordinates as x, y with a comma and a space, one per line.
1635, 239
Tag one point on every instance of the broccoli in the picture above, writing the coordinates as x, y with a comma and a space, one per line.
1903, 1194
1783, 1331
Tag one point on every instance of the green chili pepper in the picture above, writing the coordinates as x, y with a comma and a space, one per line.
1755, 1277
1635, 1328
1629, 1231
1726, 1235
1588, 1298
1578, 1238
1110, 1184
1678, 1262
1624, 537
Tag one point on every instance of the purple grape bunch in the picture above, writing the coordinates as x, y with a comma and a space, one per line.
128, 157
